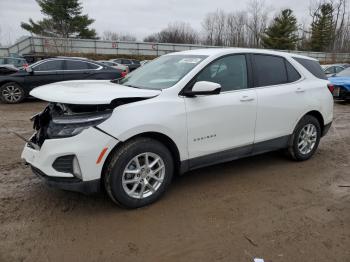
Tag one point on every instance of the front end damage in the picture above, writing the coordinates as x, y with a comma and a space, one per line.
66, 148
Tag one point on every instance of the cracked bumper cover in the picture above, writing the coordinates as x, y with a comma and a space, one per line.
86, 147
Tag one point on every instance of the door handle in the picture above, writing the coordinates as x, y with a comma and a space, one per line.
246, 99
300, 90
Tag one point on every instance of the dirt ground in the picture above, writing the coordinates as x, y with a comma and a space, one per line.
265, 206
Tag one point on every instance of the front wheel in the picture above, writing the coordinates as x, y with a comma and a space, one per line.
139, 173
305, 139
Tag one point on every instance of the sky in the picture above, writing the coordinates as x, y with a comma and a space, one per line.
137, 17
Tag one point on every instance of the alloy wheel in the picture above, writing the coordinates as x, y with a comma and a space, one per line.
143, 175
11, 93
307, 139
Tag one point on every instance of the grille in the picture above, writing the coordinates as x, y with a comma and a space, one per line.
64, 164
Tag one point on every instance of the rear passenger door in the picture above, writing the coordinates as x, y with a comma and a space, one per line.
281, 97
76, 70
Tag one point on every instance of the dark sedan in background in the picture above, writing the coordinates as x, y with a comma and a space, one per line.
15, 87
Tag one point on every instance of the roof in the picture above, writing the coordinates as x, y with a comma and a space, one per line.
225, 51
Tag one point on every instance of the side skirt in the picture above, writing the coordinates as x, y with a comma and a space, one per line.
234, 153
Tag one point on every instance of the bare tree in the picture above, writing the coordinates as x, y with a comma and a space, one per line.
257, 21
178, 32
113, 36
214, 26
236, 29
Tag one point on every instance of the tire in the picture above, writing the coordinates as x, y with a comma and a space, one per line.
122, 172
11, 93
301, 149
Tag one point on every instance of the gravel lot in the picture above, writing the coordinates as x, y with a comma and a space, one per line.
265, 206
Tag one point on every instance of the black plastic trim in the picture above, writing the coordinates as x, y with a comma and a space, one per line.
326, 129
234, 153
70, 184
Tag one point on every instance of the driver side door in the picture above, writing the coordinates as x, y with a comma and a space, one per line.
221, 127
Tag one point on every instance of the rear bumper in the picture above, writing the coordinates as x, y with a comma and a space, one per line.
70, 184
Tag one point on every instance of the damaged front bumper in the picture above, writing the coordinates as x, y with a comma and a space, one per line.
70, 184
86, 147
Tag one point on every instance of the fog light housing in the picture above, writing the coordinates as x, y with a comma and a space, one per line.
76, 168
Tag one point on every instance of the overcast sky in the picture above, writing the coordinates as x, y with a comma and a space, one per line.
137, 17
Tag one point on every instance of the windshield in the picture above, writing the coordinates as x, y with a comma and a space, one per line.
345, 72
163, 72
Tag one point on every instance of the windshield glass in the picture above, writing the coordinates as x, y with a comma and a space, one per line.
163, 72
345, 72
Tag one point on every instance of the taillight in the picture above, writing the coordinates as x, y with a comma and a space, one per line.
124, 74
330, 87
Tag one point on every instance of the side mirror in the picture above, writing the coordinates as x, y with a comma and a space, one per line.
29, 70
204, 88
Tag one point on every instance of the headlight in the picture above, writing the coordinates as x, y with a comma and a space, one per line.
66, 126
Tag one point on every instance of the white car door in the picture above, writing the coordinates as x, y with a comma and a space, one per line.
281, 97
222, 123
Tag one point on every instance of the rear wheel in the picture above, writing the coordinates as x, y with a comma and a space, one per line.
139, 173
305, 139
11, 93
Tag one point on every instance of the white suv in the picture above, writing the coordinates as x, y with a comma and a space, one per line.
179, 112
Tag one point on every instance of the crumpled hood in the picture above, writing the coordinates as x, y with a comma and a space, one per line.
340, 81
89, 92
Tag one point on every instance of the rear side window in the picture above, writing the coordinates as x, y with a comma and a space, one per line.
126, 62
292, 73
269, 70
51, 65
76, 65
92, 66
312, 66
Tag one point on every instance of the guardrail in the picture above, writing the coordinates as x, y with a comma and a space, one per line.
68, 46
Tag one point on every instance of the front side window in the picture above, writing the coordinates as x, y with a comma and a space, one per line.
269, 70
162, 72
76, 65
230, 72
51, 65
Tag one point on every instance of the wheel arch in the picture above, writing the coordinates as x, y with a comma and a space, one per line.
317, 114
164, 139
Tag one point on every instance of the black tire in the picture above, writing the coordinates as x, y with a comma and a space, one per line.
293, 150
11, 93
119, 161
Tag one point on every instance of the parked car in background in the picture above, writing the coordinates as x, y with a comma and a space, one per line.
180, 112
123, 68
14, 61
132, 64
341, 85
143, 62
7, 69
15, 87
331, 70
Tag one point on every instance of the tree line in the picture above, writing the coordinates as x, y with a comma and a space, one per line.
328, 29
